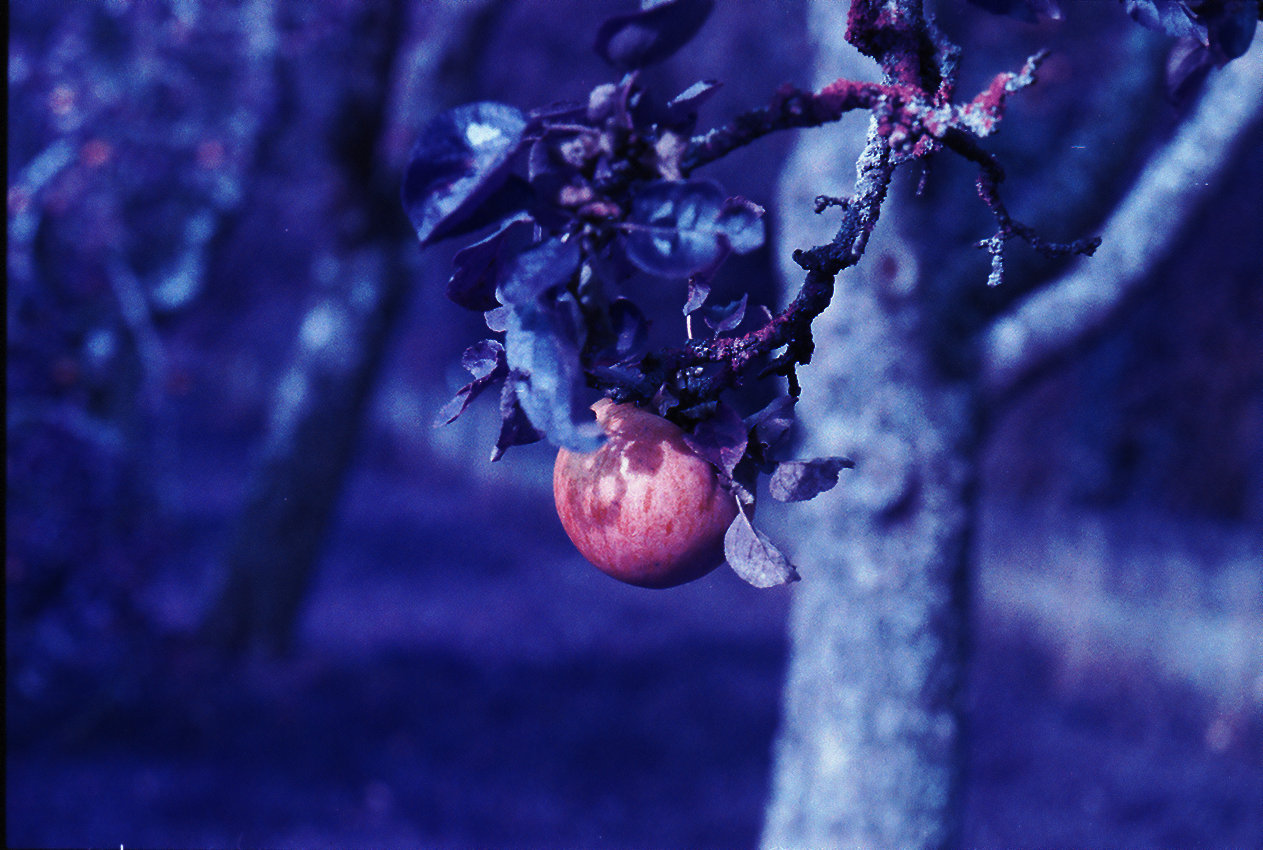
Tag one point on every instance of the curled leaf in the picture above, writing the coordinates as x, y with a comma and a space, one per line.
478, 268
799, 480
1231, 26
699, 291
726, 317
630, 329
515, 427
460, 160
486, 362
720, 439
771, 425
754, 557
683, 107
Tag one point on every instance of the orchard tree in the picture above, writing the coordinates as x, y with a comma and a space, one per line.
908, 376
584, 210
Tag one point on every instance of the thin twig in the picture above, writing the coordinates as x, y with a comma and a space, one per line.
1137, 238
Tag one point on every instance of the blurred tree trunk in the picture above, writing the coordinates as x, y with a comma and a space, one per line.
412, 67
315, 417
871, 750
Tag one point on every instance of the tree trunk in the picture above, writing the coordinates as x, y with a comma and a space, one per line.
870, 753
316, 414
870, 750
320, 403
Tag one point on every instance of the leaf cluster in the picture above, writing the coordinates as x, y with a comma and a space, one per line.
583, 209
576, 205
580, 200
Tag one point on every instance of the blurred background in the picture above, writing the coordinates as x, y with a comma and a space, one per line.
253, 597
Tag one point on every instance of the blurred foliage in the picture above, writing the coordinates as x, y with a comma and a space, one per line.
132, 129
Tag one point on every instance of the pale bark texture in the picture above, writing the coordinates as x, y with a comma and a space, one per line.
868, 750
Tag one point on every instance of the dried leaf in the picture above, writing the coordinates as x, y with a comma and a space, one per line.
799, 480
753, 556
485, 361
727, 317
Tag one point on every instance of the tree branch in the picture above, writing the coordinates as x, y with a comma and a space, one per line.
912, 114
1177, 182
793, 108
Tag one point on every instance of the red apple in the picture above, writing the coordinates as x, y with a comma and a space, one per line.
644, 508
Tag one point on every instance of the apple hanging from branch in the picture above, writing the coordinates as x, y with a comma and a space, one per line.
644, 507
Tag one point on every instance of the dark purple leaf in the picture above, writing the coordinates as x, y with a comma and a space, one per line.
449, 412
745, 480
535, 270
1187, 67
721, 439
460, 160
799, 480
486, 362
651, 35
678, 228
753, 556
624, 375
479, 267
515, 428
630, 327
1231, 26
727, 317
664, 400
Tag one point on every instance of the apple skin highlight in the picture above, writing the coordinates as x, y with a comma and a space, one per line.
643, 508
